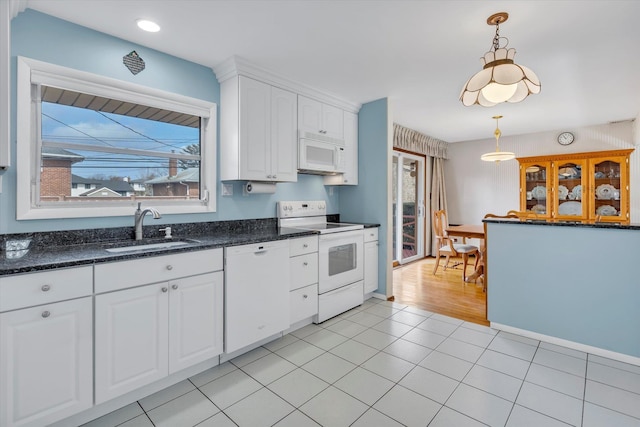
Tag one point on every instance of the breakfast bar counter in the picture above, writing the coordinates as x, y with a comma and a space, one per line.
571, 283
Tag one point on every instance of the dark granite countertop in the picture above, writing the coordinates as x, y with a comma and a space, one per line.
58, 249
558, 223
76, 248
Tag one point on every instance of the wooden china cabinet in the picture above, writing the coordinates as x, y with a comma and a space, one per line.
584, 187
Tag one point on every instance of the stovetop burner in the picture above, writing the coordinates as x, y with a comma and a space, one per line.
310, 215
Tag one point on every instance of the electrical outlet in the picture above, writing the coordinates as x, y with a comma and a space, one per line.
331, 191
227, 189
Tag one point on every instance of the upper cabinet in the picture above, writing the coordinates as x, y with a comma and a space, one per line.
577, 187
258, 124
317, 117
350, 175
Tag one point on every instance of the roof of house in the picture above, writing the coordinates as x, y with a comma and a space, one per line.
115, 185
60, 153
95, 192
187, 175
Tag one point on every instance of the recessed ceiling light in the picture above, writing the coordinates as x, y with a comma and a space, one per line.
146, 25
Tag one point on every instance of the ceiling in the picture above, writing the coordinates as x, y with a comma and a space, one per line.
416, 53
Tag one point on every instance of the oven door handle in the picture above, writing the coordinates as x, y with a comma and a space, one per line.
342, 235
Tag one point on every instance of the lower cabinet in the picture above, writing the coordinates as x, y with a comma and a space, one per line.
370, 260
46, 362
303, 266
145, 333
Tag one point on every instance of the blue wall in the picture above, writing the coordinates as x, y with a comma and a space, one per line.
368, 201
45, 38
575, 283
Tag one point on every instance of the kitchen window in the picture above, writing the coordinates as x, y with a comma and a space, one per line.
92, 146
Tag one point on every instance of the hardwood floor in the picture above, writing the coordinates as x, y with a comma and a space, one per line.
442, 293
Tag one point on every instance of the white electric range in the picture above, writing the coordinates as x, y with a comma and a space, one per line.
340, 255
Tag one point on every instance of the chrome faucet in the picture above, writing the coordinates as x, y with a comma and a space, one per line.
139, 218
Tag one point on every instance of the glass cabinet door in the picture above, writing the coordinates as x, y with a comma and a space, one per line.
570, 185
535, 192
609, 199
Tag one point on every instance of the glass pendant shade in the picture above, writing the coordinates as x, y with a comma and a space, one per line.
497, 156
501, 79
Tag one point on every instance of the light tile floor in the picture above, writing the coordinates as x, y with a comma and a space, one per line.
385, 364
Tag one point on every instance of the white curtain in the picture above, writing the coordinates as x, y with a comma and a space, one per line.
436, 150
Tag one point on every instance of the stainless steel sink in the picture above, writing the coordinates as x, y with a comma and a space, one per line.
150, 246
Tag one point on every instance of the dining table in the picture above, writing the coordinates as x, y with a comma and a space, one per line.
471, 231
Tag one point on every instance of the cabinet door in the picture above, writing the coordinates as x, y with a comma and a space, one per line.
131, 339
350, 175
309, 115
535, 188
46, 363
195, 320
370, 267
255, 130
608, 180
332, 121
284, 136
570, 193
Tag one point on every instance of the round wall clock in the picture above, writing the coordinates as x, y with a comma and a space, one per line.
565, 138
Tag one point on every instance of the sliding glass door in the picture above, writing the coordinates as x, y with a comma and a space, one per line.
408, 206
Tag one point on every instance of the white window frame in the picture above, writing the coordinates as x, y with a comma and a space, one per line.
31, 72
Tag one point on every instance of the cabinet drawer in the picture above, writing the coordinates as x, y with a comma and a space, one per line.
25, 290
370, 234
303, 245
335, 302
304, 270
126, 274
303, 303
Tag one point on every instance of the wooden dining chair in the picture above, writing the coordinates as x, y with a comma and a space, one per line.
445, 246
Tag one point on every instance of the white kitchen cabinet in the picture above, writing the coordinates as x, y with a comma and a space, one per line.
350, 175
303, 265
319, 118
46, 362
370, 260
131, 339
258, 132
256, 292
145, 333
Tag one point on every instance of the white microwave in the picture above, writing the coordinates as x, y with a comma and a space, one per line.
318, 154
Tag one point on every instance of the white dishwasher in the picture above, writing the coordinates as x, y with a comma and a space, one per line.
256, 292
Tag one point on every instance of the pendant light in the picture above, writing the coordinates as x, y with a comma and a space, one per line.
501, 79
497, 156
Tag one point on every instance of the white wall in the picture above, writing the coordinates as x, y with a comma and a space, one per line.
475, 188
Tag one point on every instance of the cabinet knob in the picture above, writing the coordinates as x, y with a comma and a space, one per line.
46, 314
346, 180
305, 296
305, 263
45, 288
174, 287
305, 245
164, 289
169, 267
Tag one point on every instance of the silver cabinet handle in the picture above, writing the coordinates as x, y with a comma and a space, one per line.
305, 263
305, 296
174, 286
169, 267
46, 314
45, 288
305, 245
164, 289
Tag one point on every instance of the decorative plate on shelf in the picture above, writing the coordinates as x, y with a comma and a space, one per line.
606, 210
539, 192
539, 209
563, 192
570, 208
577, 192
605, 191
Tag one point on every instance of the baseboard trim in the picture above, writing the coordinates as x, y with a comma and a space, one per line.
620, 357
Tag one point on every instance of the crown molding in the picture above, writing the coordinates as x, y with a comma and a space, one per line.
17, 6
236, 65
